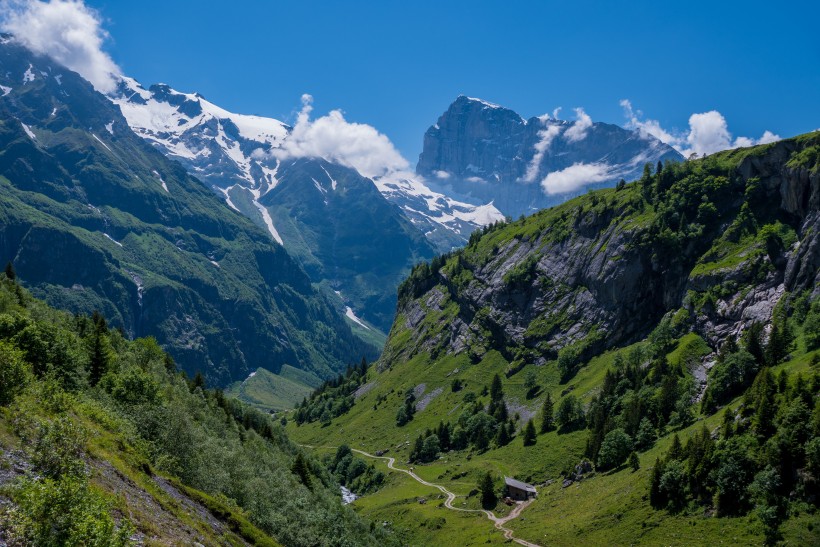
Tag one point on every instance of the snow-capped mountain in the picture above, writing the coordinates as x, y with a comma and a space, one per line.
232, 153
485, 152
323, 213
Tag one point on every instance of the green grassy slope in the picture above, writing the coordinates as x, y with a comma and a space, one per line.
712, 266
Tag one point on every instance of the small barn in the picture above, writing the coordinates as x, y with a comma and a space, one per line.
520, 491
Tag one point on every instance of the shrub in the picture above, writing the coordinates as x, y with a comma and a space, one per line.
65, 511
614, 450
15, 373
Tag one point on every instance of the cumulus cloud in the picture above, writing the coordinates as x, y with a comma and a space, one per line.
708, 132
646, 127
575, 176
335, 139
67, 31
443, 175
547, 135
578, 130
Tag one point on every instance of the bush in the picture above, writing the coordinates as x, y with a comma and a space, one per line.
15, 373
614, 450
64, 511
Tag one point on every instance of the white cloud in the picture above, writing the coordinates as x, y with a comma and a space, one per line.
646, 127
578, 130
556, 112
335, 139
547, 135
67, 31
443, 175
708, 132
575, 176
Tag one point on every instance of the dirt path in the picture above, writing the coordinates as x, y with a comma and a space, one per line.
498, 522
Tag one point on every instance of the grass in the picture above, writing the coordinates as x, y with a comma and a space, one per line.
609, 508
269, 391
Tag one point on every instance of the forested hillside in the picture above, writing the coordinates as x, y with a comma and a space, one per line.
647, 355
103, 442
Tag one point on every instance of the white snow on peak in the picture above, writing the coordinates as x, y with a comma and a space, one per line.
6, 90
228, 150
109, 127
28, 131
485, 103
352, 316
420, 202
29, 75
59, 78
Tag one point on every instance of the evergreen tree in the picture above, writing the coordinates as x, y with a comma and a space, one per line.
547, 420
502, 438
676, 450
100, 357
496, 389
529, 434
486, 486
634, 461
752, 340
300, 469
11, 275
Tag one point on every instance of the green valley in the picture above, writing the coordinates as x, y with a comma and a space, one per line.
609, 305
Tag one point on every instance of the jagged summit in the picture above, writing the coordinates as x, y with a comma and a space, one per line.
478, 151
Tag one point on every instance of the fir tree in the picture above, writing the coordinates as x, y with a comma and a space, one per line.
634, 461
300, 469
547, 419
529, 434
486, 486
11, 275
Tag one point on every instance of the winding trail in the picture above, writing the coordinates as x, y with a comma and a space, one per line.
498, 522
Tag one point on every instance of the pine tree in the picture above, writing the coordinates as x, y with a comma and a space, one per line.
496, 389
676, 450
11, 275
300, 469
547, 419
100, 350
502, 438
486, 486
634, 461
529, 434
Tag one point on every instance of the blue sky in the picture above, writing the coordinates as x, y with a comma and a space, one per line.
397, 65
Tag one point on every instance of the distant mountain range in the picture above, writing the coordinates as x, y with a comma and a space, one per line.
94, 218
479, 151
355, 237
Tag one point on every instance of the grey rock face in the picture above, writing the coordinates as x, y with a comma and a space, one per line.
599, 280
485, 152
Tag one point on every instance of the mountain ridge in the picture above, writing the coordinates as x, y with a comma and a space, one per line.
479, 150
95, 218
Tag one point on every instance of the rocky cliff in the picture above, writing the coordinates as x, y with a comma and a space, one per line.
478, 150
713, 242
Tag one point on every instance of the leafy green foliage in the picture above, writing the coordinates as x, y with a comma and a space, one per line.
62, 511
333, 398
218, 448
353, 472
